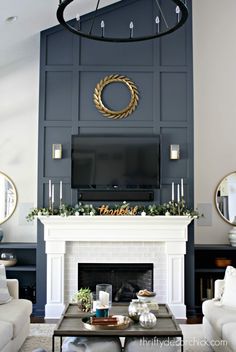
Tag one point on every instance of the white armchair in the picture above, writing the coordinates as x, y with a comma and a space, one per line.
219, 322
219, 289
14, 320
13, 287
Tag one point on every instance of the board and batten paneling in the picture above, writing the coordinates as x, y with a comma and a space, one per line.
70, 69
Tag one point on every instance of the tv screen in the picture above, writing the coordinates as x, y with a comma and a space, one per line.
107, 162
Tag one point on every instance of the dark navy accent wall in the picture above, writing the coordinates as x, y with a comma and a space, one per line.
70, 69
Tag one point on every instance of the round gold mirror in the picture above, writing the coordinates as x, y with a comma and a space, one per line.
225, 198
8, 197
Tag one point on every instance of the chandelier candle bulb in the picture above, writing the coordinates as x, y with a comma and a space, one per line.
103, 28
178, 193
182, 188
78, 21
173, 192
177, 10
131, 27
157, 20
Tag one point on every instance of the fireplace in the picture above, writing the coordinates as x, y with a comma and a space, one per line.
126, 278
160, 240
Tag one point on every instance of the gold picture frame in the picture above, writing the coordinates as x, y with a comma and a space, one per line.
111, 114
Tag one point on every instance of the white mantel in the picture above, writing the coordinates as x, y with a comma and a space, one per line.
170, 230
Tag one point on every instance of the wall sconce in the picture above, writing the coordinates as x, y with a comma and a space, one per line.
174, 152
57, 151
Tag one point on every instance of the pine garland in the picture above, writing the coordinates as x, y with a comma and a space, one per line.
167, 209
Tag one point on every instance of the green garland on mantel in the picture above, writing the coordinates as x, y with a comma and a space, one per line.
168, 209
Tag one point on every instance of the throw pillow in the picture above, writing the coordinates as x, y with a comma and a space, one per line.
229, 296
4, 293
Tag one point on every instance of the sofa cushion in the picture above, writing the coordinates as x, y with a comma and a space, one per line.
229, 297
4, 293
6, 333
218, 315
229, 335
16, 312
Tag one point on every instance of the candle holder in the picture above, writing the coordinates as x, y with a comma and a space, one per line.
104, 294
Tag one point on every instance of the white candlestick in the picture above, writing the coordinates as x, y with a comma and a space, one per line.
104, 298
60, 190
178, 193
173, 192
50, 188
182, 187
52, 194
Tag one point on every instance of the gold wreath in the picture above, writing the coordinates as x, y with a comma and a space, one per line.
97, 97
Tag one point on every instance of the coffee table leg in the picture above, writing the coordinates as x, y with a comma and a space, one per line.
60, 343
182, 344
53, 344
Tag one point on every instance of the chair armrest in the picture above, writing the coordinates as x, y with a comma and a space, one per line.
13, 287
219, 288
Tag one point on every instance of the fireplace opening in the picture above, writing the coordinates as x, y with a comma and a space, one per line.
126, 279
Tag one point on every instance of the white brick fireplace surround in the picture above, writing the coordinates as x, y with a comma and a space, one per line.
160, 240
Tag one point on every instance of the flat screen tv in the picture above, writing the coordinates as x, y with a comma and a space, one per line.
115, 162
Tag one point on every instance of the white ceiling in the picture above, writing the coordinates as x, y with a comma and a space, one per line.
33, 17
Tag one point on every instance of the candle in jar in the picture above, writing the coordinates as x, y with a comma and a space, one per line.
178, 193
104, 298
60, 190
182, 187
173, 192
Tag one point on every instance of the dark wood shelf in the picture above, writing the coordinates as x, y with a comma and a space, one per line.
210, 270
21, 268
214, 247
206, 271
18, 245
25, 269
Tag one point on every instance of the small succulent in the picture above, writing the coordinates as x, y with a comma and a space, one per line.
84, 299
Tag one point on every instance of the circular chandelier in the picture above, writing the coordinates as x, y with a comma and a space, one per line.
160, 23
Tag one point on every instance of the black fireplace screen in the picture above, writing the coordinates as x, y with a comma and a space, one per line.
126, 279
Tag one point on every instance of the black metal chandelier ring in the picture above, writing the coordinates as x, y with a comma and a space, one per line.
64, 3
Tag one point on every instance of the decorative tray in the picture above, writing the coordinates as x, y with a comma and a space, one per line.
122, 323
8, 262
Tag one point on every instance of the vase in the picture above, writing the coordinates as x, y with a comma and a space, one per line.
232, 237
1, 235
136, 308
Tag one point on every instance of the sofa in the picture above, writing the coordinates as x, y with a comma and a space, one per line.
219, 321
14, 320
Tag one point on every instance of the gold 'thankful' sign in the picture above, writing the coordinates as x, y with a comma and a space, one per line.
104, 210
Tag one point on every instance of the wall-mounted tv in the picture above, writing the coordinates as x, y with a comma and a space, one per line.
115, 162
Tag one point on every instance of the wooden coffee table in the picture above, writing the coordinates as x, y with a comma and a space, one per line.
71, 324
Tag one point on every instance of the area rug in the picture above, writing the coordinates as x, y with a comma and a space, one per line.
40, 337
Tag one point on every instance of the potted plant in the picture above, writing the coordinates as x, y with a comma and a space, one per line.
84, 299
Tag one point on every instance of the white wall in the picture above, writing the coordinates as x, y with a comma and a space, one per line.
19, 82
214, 52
